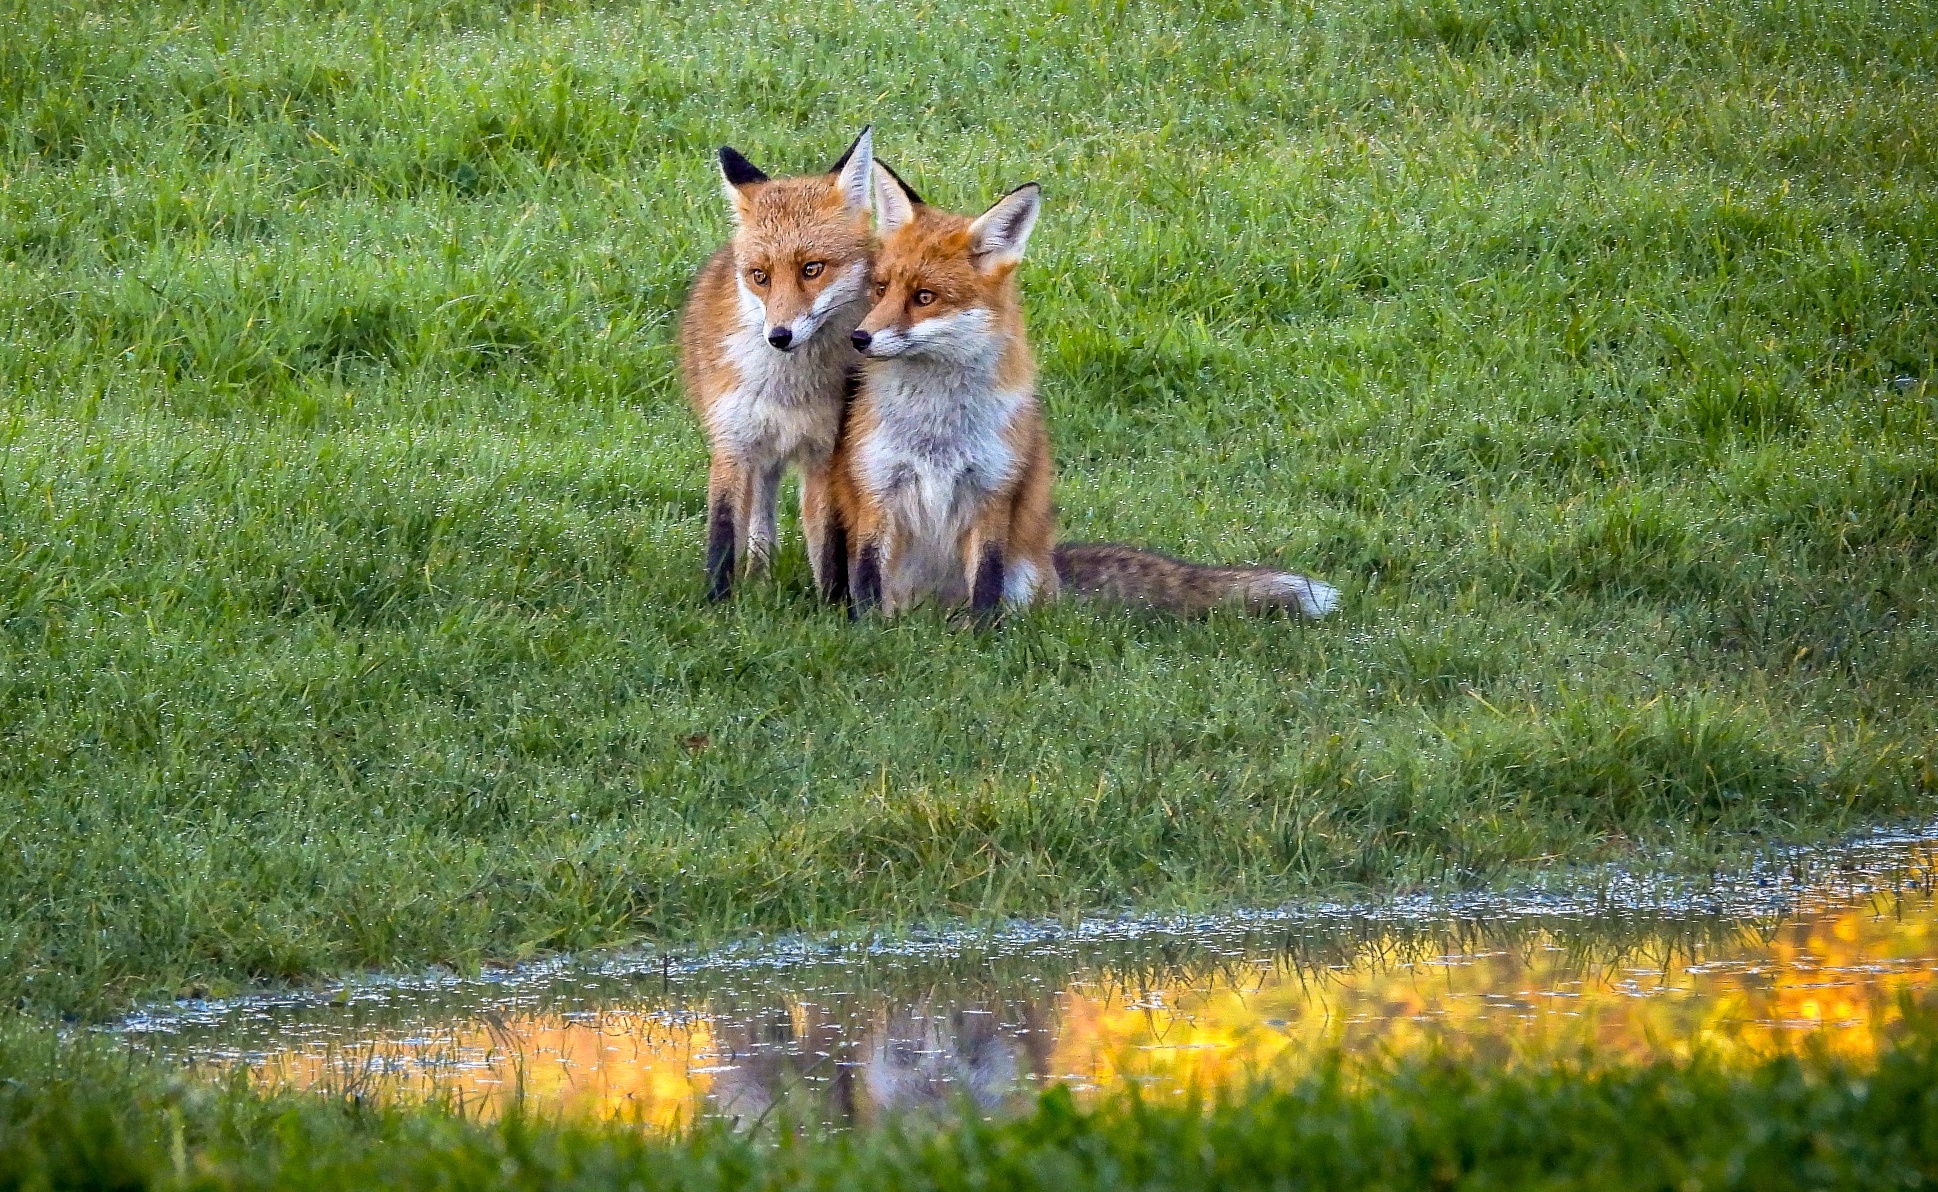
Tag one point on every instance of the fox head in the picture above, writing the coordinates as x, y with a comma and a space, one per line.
943, 284
800, 245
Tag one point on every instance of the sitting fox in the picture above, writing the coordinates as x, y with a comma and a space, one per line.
943, 475
766, 355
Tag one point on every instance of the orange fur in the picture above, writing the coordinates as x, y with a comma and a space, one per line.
764, 400
946, 455
970, 520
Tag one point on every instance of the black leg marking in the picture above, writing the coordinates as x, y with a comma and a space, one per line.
720, 546
986, 597
868, 582
834, 563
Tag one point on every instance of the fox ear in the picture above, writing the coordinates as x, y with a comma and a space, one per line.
999, 234
736, 172
852, 172
895, 203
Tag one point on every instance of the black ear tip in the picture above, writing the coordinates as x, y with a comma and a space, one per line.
841, 162
738, 170
907, 190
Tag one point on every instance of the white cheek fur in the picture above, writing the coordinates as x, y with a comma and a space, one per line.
752, 309
837, 295
887, 342
961, 335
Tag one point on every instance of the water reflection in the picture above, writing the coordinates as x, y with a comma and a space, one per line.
845, 1037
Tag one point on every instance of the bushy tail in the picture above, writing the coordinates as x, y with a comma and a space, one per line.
1110, 571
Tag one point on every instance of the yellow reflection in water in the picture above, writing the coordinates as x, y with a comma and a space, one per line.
1835, 978
637, 1066
1833, 975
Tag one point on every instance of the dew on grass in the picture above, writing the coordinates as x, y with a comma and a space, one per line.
1810, 951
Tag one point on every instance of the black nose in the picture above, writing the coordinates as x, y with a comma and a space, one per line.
780, 337
862, 339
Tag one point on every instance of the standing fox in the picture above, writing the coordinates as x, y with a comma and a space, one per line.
943, 475
766, 355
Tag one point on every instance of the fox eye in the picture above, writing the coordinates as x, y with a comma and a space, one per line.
759, 276
812, 269
881, 287
924, 297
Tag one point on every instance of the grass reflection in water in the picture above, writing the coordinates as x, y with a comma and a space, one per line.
843, 1040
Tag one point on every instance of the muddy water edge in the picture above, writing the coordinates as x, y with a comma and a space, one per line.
1814, 950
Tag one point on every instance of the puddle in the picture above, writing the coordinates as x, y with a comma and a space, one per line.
1816, 949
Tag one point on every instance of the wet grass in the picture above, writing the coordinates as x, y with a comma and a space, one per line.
350, 517
73, 1116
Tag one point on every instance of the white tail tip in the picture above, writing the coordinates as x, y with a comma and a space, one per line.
1315, 599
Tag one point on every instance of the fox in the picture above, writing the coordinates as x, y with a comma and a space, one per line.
766, 354
943, 478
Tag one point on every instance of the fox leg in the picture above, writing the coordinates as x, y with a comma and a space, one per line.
985, 561
866, 541
899, 593
900, 568
763, 493
724, 485
1029, 568
866, 594
827, 538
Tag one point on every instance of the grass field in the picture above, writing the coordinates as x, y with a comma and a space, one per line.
350, 516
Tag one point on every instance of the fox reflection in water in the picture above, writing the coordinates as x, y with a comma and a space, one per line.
856, 1068
761, 1058
921, 1058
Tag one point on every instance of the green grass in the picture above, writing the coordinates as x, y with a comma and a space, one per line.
350, 517
75, 1117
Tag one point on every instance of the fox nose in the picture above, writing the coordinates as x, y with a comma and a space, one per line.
781, 337
861, 339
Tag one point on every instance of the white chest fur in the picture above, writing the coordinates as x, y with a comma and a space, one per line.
938, 447
787, 405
